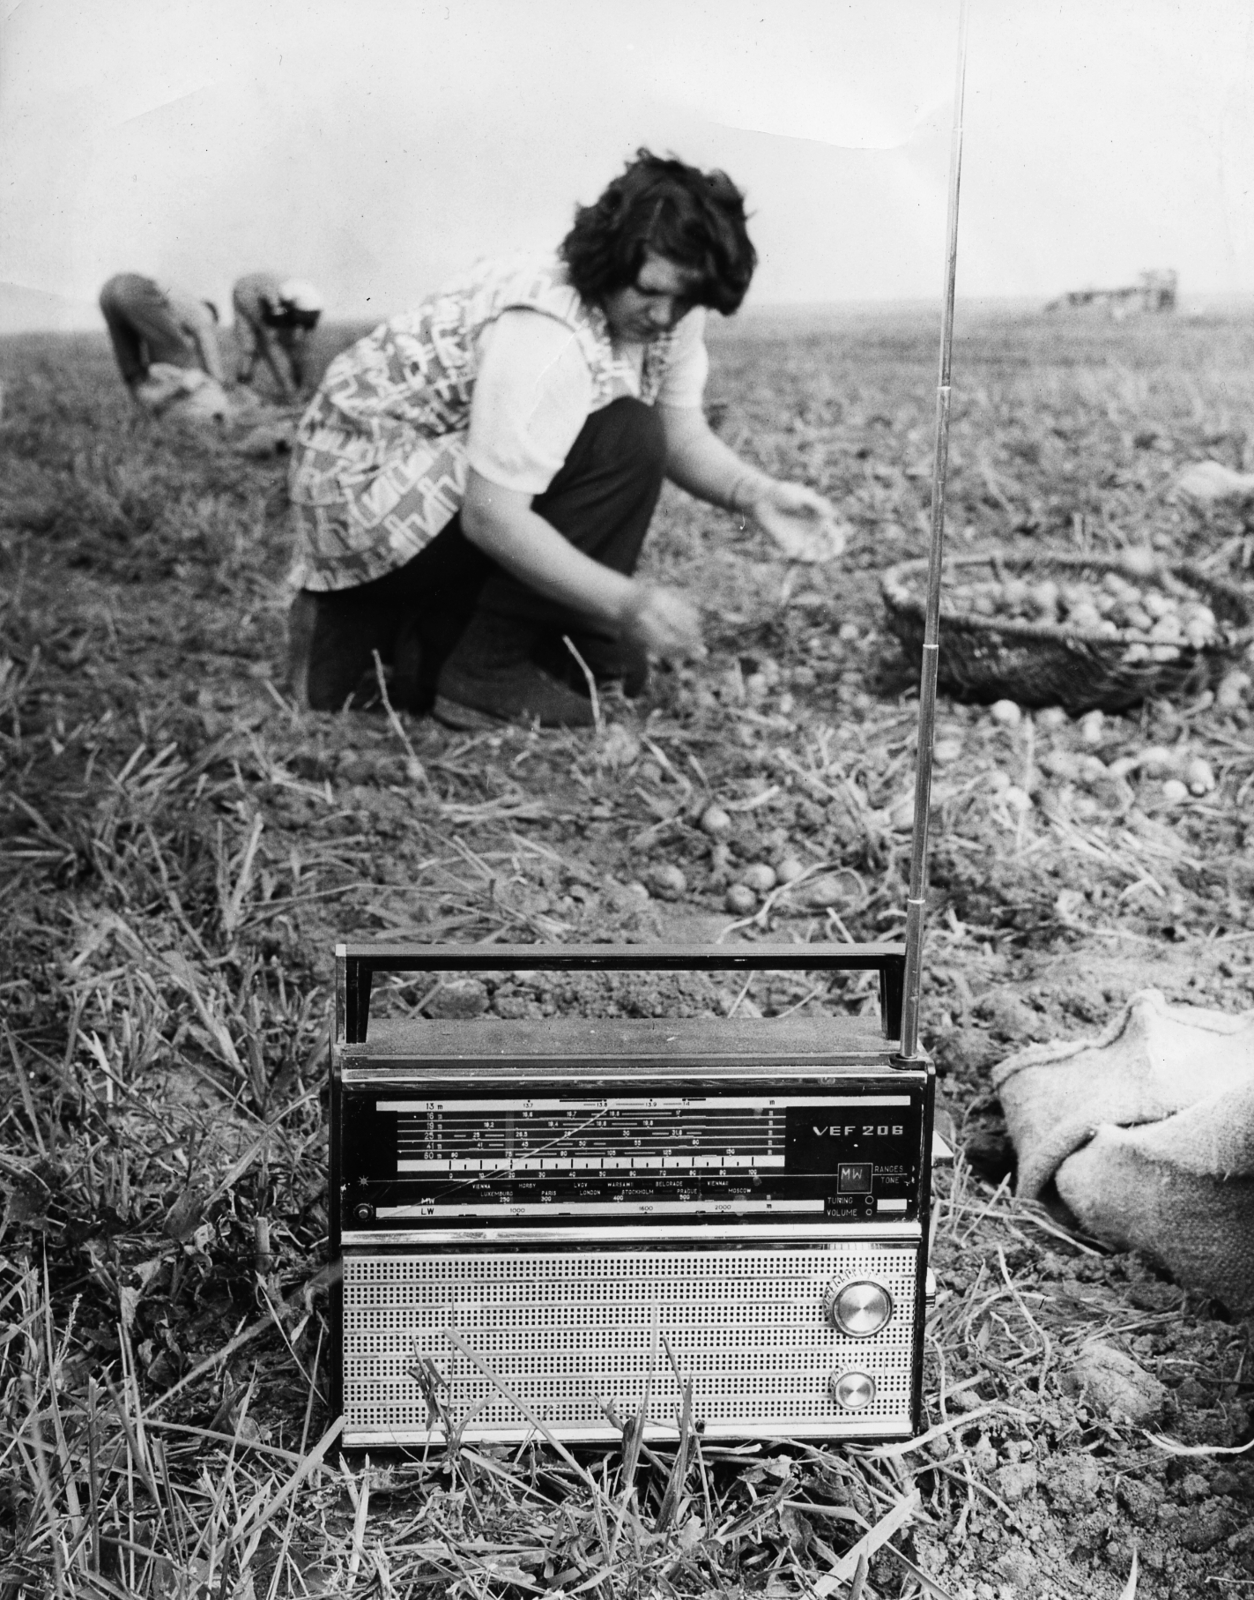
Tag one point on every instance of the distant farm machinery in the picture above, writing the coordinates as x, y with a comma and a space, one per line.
1154, 292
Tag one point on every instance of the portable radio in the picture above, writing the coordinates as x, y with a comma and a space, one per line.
551, 1227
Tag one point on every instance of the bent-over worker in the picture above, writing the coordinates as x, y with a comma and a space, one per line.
157, 325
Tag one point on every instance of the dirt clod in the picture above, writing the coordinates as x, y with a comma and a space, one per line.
1016, 1479
1114, 1383
459, 997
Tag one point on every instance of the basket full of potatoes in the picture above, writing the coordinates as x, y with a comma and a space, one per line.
1083, 632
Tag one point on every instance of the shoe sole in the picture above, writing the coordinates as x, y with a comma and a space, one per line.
469, 719
464, 718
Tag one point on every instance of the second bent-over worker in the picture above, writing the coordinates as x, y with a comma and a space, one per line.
274, 318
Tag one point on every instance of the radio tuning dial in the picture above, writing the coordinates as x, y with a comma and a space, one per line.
859, 1308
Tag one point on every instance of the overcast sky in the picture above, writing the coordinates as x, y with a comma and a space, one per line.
377, 146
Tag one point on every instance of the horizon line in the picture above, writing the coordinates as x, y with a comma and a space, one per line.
92, 324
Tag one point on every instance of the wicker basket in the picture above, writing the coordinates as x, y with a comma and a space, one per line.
1041, 664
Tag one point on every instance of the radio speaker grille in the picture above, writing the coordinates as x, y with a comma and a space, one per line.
571, 1334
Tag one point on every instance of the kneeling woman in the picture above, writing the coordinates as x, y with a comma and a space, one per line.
474, 479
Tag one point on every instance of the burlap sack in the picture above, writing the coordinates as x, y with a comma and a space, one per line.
268, 439
1147, 1134
184, 394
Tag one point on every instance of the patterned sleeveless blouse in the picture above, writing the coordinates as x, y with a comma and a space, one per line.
379, 461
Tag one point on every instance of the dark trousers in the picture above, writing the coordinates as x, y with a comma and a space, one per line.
602, 500
141, 328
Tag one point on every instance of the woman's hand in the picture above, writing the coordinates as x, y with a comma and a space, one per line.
662, 622
802, 523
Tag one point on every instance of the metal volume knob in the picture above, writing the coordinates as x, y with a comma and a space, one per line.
852, 1391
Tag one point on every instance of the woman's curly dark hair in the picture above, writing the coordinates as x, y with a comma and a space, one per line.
692, 218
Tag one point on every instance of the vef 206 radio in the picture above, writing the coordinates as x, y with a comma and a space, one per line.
560, 1222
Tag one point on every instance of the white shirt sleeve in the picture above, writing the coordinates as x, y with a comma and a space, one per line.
532, 396
683, 383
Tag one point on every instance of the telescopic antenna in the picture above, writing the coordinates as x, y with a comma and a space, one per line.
916, 904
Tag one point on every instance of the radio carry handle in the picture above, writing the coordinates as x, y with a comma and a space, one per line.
356, 964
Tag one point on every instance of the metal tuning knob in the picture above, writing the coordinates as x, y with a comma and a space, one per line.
859, 1308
